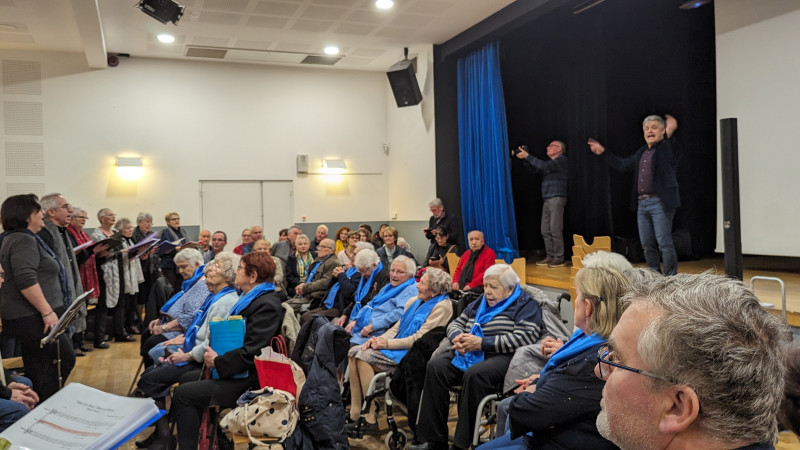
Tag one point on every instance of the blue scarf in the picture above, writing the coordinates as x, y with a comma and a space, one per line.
246, 299
577, 344
411, 322
484, 315
200, 318
363, 289
387, 293
185, 286
313, 272
332, 292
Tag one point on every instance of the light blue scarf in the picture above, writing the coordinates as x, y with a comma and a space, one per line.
332, 292
411, 322
387, 293
363, 289
185, 286
577, 344
484, 315
246, 299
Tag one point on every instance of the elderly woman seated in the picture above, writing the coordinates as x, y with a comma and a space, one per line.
380, 313
483, 337
263, 245
179, 311
374, 276
260, 306
390, 250
186, 351
559, 409
429, 309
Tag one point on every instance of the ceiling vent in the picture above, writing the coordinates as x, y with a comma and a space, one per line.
261, 56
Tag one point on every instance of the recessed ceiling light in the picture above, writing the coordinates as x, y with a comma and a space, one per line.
331, 50
166, 38
384, 4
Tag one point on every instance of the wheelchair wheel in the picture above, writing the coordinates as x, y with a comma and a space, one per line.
396, 441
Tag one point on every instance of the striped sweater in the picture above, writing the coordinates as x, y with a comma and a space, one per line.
520, 324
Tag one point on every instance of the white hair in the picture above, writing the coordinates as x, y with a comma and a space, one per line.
508, 278
366, 258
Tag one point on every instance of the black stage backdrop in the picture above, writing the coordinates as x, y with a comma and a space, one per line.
598, 74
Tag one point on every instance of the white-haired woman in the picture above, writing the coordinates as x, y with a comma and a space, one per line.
483, 337
179, 311
431, 308
186, 351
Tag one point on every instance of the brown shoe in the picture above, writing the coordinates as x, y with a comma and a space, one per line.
544, 262
557, 263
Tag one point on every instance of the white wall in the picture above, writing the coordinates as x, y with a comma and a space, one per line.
758, 62
194, 121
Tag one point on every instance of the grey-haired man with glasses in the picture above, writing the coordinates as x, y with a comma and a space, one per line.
694, 362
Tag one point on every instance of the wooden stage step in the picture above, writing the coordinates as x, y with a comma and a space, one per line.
558, 278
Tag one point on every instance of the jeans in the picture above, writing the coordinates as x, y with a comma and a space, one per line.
11, 411
553, 227
655, 232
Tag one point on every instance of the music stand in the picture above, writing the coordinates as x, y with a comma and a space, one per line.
61, 326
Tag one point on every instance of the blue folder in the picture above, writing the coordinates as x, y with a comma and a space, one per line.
227, 335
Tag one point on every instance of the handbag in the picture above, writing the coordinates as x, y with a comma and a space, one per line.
277, 371
264, 415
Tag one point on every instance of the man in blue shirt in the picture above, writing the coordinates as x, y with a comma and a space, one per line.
554, 193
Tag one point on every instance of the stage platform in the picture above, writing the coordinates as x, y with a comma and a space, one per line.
768, 292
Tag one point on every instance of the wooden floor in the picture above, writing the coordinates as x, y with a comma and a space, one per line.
767, 291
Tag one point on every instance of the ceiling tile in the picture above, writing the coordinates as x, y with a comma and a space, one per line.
289, 47
255, 45
368, 16
356, 62
226, 5
205, 41
354, 28
312, 25
219, 18
345, 3
410, 20
16, 37
366, 53
323, 12
267, 22
395, 32
156, 48
276, 9
430, 7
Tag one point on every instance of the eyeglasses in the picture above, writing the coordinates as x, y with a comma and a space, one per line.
2, 274
66, 206
603, 357
239, 268
174, 218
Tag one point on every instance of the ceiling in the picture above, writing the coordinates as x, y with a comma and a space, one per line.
368, 38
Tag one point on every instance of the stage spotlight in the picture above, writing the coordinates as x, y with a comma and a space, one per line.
162, 10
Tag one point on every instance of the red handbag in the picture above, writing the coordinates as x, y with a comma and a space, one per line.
277, 371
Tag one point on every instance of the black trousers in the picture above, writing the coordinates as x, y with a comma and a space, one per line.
480, 380
192, 396
157, 381
100, 313
40, 363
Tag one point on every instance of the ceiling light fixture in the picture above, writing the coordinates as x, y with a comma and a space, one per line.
166, 38
331, 50
384, 4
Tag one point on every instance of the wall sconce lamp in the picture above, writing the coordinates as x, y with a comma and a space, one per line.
333, 166
130, 167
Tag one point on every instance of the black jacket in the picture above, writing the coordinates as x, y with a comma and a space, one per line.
321, 410
664, 167
563, 410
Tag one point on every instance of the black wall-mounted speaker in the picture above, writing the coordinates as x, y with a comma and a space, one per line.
731, 219
404, 83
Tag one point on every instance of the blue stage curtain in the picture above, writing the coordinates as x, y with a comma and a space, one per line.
486, 201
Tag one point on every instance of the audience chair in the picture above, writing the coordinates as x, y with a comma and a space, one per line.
452, 261
580, 249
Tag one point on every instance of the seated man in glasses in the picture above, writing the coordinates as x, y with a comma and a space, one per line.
695, 362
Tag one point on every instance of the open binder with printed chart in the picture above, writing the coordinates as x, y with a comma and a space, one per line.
81, 417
